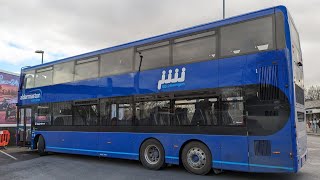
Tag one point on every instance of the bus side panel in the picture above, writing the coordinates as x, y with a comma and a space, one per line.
234, 153
118, 145
231, 71
279, 159
83, 141
51, 139
228, 152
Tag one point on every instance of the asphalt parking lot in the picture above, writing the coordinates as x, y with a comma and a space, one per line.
63, 166
16, 154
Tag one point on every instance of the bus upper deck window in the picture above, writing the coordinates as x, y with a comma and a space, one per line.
43, 77
29, 79
154, 56
86, 68
195, 48
247, 37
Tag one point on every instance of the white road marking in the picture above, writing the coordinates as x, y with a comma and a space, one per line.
315, 143
8, 155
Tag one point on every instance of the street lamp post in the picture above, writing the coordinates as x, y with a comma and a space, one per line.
40, 52
224, 9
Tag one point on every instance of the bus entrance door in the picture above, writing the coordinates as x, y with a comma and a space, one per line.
24, 127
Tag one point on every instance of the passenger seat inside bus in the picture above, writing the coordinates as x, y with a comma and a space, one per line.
181, 116
59, 121
203, 114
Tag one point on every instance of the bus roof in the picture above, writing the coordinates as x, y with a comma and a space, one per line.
201, 27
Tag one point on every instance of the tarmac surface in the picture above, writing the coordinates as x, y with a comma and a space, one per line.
64, 166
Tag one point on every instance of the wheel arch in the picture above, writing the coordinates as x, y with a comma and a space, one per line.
35, 141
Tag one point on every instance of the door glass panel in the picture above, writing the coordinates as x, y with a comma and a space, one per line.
24, 126
28, 117
20, 126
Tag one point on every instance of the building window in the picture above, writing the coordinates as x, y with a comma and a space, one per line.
300, 117
116, 62
86, 69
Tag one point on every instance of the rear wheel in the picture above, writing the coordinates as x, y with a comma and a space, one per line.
196, 158
152, 154
41, 146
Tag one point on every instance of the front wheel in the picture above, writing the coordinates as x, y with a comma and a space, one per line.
152, 154
196, 158
41, 146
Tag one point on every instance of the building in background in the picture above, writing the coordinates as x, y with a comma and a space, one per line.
9, 83
313, 116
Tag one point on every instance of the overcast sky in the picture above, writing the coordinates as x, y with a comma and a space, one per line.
64, 28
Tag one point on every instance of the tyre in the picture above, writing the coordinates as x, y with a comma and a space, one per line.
41, 146
196, 158
152, 154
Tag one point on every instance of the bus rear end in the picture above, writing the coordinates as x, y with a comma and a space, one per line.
299, 130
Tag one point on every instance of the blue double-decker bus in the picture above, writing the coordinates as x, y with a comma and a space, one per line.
226, 95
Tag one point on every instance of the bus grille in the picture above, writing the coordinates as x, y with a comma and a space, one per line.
268, 78
262, 148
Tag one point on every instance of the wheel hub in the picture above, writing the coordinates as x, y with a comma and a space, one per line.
152, 154
196, 158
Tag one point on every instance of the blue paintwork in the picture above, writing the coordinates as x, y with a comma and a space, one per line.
226, 72
228, 152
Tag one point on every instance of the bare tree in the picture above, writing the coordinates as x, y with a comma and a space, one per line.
313, 93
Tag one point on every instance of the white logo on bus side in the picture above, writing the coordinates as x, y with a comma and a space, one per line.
170, 80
